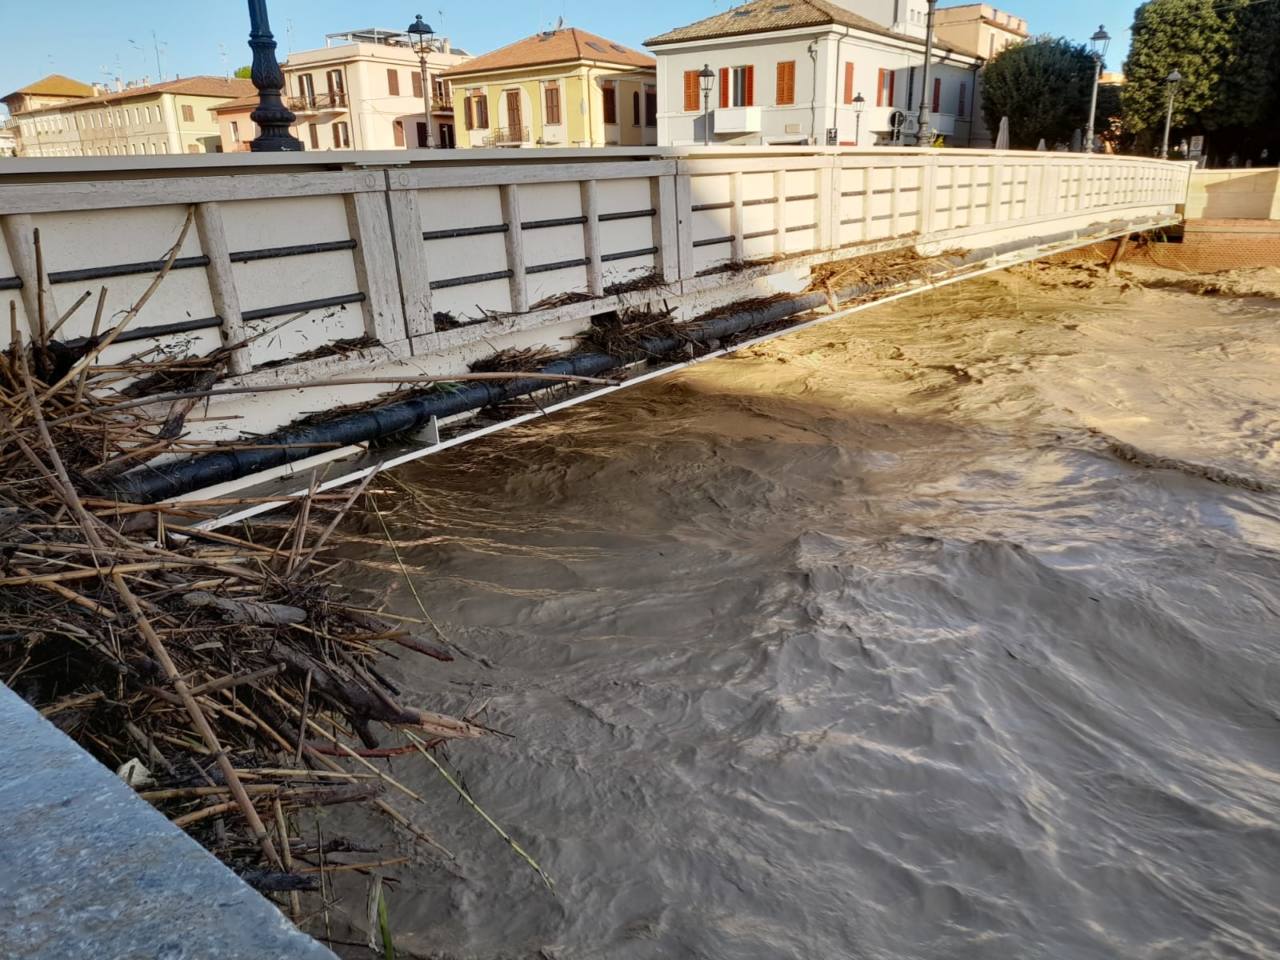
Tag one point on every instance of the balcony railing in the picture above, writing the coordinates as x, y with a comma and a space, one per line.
318, 103
441, 105
506, 136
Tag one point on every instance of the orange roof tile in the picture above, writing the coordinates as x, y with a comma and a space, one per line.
567, 45
55, 85
237, 104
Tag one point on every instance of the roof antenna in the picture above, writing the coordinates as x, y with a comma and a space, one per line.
559, 24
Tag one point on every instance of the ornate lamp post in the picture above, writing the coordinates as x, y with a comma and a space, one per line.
1172, 80
859, 104
922, 116
706, 77
1098, 47
420, 35
271, 115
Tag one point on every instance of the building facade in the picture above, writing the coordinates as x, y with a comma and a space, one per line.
175, 116
793, 73
364, 91
978, 29
561, 88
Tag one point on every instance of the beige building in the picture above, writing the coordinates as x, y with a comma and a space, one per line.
175, 116
978, 29
363, 91
561, 88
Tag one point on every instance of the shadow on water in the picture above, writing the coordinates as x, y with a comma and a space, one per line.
796, 671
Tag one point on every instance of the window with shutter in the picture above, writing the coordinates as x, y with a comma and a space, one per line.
188, 114
635, 108
609, 96
741, 87
848, 82
315, 137
962, 103
482, 111
786, 82
393, 82
937, 95
724, 86
552, 94
468, 117
417, 84
397, 131
650, 107
692, 91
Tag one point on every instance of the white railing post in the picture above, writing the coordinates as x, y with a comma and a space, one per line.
411, 257
780, 212
994, 191
666, 227
375, 262
591, 237
515, 247
684, 218
928, 181
736, 244
19, 238
826, 227
222, 285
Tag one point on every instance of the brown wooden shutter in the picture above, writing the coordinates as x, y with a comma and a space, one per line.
609, 92
691, 90
848, 82
724, 86
880, 87
468, 117
786, 82
893, 79
751, 86
417, 84
960, 101
937, 94
393, 82
315, 137
397, 129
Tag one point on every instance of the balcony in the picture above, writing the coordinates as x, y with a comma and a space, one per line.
506, 137
737, 120
439, 105
319, 103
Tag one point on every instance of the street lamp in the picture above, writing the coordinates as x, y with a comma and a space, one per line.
271, 115
1098, 47
1172, 80
859, 104
922, 116
420, 34
706, 77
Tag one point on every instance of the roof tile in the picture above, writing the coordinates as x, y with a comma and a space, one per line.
567, 45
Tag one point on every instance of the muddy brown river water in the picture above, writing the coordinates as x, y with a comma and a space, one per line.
945, 630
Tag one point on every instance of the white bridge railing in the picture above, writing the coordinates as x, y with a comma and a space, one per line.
392, 255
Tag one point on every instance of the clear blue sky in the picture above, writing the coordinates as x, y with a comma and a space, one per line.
90, 39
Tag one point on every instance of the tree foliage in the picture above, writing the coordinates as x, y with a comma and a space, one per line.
244, 73
1228, 53
1042, 86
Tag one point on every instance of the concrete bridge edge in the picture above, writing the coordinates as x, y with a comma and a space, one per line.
92, 871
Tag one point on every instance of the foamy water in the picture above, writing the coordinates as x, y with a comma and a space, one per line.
945, 630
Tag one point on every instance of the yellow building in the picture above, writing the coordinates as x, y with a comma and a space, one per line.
175, 116
562, 88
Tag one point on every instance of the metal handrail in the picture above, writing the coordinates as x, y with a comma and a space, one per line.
320, 101
502, 135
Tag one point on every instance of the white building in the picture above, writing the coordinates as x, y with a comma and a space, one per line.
791, 72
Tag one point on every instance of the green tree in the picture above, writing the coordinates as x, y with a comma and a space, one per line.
1042, 86
244, 73
1228, 53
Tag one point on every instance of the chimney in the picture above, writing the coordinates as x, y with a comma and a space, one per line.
445, 46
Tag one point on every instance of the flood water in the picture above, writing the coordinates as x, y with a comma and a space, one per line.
945, 630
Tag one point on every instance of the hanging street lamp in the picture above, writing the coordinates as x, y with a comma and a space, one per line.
1172, 81
859, 104
420, 35
706, 77
271, 115
1098, 47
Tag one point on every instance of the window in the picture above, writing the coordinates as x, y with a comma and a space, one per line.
692, 91
962, 103
439, 89
552, 97
188, 114
416, 78
333, 79
737, 86
609, 92
393, 82
235, 131
650, 106
884, 88
341, 136
848, 82
397, 132
422, 134
936, 105
307, 89
786, 90
635, 108
477, 111
315, 137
